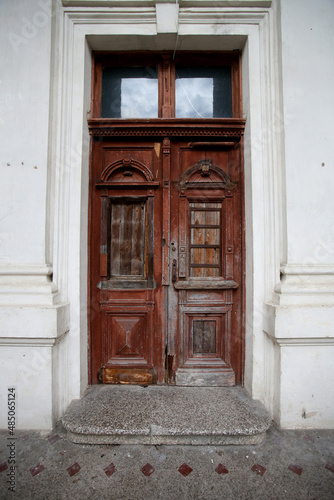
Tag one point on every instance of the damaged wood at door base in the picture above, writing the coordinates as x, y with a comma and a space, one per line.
127, 376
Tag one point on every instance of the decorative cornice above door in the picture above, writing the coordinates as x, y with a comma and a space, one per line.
152, 3
232, 129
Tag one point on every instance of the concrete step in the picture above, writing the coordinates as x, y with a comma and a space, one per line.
113, 414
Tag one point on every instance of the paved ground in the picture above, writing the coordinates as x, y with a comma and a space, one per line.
287, 465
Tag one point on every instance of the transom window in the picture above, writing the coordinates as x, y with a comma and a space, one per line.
203, 92
148, 86
130, 92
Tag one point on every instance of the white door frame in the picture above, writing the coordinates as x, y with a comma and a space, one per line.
78, 31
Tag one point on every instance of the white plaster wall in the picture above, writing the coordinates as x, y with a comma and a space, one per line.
25, 30
307, 387
27, 368
301, 326
308, 82
32, 320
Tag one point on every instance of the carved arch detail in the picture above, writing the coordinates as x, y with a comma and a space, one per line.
127, 170
205, 173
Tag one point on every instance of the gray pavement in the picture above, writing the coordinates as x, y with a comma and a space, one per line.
286, 465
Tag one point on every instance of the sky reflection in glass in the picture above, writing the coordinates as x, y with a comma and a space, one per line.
129, 92
139, 98
203, 92
200, 92
194, 98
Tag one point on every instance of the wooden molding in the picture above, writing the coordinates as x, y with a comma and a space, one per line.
214, 127
206, 285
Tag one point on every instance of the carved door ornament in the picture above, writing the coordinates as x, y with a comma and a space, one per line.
206, 174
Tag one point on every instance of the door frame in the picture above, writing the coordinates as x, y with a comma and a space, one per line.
78, 31
228, 131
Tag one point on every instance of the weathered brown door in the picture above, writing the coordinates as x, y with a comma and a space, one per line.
166, 260
205, 297
126, 289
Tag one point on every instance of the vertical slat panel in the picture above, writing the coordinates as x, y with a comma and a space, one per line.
198, 327
198, 217
212, 237
166, 163
229, 238
105, 231
138, 243
223, 238
209, 239
150, 236
116, 217
182, 235
204, 337
126, 240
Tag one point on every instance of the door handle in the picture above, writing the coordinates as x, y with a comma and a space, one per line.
174, 271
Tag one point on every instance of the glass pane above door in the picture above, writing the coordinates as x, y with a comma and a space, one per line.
202, 92
129, 92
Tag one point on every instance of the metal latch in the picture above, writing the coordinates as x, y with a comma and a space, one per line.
174, 271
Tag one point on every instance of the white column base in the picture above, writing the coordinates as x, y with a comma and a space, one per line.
33, 326
300, 348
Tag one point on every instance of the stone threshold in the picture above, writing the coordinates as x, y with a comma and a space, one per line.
169, 415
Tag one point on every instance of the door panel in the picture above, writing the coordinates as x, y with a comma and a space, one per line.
127, 339
166, 262
206, 298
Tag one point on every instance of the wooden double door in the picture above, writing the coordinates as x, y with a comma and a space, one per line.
166, 261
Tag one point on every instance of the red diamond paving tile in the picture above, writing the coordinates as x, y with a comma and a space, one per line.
73, 469
296, 469
110, 469
148, 469
259, 469
327, 466
185, 470
54, 439
221, 469
3, 466
37, 469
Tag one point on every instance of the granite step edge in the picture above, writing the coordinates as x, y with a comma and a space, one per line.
191, 439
